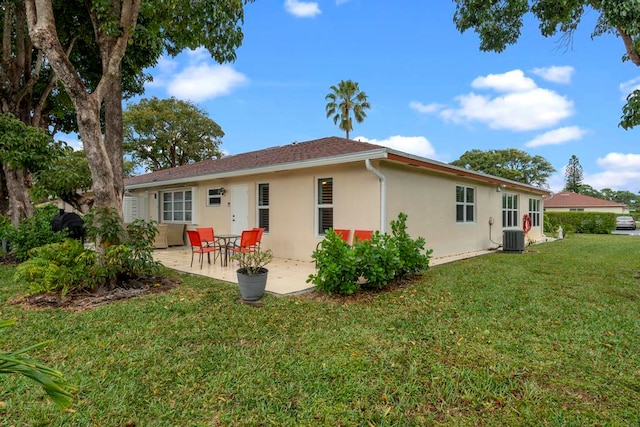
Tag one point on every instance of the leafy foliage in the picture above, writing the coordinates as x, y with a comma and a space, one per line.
51, 380
68, 266
165, 133
253, 262
344, 100
500, 23
371, 263
581, 222
34, 231
511, 163
413, 256
104, 226
67, 178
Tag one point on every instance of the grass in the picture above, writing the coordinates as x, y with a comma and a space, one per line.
546, 337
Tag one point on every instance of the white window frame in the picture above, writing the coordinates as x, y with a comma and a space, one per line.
214, 193
263, 207
320, 205
465, 204
509, 210
191, 212
534, 211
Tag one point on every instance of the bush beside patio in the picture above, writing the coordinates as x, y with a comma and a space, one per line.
549, 336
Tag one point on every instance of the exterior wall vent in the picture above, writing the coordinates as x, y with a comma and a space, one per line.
513, 241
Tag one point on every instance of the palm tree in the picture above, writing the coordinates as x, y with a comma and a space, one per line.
345, 99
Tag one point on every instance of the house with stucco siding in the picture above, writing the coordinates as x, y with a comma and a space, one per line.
566, 201
299, 190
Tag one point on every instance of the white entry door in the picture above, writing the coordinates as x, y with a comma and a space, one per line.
239, 208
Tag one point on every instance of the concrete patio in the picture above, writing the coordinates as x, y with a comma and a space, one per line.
285, 276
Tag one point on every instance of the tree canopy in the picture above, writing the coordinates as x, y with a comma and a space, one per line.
573, 175
165, 133
499, 23
511, 163
150, 28
346, 100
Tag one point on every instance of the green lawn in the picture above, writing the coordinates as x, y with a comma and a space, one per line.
551, 336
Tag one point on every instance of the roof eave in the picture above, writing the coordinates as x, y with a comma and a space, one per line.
325, 161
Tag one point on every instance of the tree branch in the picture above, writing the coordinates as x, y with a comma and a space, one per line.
634, 56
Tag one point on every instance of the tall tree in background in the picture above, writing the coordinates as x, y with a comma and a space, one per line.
345, 100
511, 163
499, 23
169, 25
573, 175
165, 133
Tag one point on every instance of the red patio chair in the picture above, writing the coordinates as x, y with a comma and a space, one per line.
248, 241
207, 236
361, 235
259, 236
343, 233
197, 246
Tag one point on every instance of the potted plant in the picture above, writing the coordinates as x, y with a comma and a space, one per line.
252, 274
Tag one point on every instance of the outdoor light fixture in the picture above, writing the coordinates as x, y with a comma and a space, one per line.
222, 191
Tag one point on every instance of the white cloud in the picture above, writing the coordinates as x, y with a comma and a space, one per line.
511, 81
302, 9
555, 74
418, 145
557, 136
629, 86
519, 111
205, 81
426, 109
520, 104
620, 172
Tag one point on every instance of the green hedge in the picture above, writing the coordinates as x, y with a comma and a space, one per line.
580, 222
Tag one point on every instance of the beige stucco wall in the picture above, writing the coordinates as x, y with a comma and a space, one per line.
426, 197
292, 217
429, 200
606, 209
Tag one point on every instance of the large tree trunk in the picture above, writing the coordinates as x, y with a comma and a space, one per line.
18, 185
104, 154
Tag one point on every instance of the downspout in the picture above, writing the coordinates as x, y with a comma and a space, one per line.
383, 194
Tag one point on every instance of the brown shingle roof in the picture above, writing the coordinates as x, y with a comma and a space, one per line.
304, 154
567, 199
296, 152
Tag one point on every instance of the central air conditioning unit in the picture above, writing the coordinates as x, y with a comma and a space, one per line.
513, 241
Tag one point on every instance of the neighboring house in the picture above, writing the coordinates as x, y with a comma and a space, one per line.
566, 201
298, 191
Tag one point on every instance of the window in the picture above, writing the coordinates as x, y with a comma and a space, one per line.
325, 204
510, 210
465, 203
263, 206
214, 196
177, 206
534, 212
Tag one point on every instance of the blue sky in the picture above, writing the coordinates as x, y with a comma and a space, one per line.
432, 92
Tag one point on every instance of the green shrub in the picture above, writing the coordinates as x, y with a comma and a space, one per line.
342, 268
34, 231
377, 260
58, 267
580, 222
104, 225
68, 266
411, 252
337, 271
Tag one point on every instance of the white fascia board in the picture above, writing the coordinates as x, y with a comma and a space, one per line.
326, 161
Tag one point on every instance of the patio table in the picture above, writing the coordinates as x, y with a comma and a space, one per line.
226, 241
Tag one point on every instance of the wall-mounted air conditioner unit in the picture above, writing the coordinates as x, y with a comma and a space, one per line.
513, 241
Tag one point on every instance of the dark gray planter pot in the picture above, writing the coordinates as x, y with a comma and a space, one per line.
252, 285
